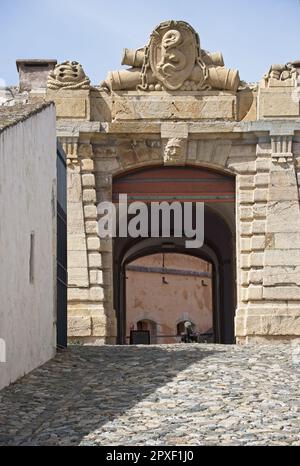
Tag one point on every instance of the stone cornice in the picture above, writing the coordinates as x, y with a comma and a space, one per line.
73, 128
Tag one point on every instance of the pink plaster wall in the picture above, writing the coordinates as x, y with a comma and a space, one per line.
183, 298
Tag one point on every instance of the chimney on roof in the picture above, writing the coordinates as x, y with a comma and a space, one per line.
33, 74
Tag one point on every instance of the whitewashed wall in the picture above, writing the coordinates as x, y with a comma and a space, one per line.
27, 205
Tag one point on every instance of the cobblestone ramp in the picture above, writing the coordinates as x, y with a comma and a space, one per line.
157, 395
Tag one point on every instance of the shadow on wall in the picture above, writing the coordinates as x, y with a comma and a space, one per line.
82, 389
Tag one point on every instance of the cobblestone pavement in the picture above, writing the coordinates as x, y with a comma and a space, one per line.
183, 394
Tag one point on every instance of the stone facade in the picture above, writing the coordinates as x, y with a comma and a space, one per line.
178, 105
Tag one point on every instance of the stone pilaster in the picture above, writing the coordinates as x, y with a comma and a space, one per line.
270, 248
77, 252
104, 193
87, 320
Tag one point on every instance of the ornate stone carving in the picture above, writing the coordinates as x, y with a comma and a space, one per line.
174, 150
283, 72
172, 54
282, 149
68, 75
70, 147
173, 60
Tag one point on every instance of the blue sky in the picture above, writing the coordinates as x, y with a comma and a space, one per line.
250, 34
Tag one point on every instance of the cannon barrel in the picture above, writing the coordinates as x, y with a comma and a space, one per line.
223, 78
127, 79
215, 58
133, 57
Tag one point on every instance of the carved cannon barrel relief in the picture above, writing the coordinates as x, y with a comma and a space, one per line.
220, 77
133, 57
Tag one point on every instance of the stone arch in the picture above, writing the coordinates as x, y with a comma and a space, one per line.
219, 251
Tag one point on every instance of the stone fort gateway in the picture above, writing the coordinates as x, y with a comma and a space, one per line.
176, 124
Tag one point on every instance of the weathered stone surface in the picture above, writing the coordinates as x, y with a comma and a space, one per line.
71, 108
160, 106
280, 257
93, 243
87, 165
88, 180
78, 276
79, 326
99, 326
278, 104
94, 259
256, 275
269, 320
89, 195
158, 113
258, 242
90, 212
278, 292
96, 277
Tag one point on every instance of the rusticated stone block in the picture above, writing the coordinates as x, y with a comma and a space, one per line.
91, 226
259, 226
246, 196
89, 195
256, 276
94, 259
246, 181
245, 261
96, 293
99, 326
258, 242
261, 179
255, 292
246, 228
246, 212
90, 211
260, 195
87, 165
88, 180
257, 259
96, 277
79, 326
93, 243
245, 244
263, 164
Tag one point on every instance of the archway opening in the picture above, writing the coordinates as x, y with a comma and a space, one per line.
146, 324
182, 184
166, 290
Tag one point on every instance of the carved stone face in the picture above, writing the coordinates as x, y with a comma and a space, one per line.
69, 71
173, 149
68, 75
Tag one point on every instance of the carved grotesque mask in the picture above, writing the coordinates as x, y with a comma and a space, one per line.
69, 71
68, 75
173, 149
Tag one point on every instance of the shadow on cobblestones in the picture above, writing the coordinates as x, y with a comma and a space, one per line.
85, 387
